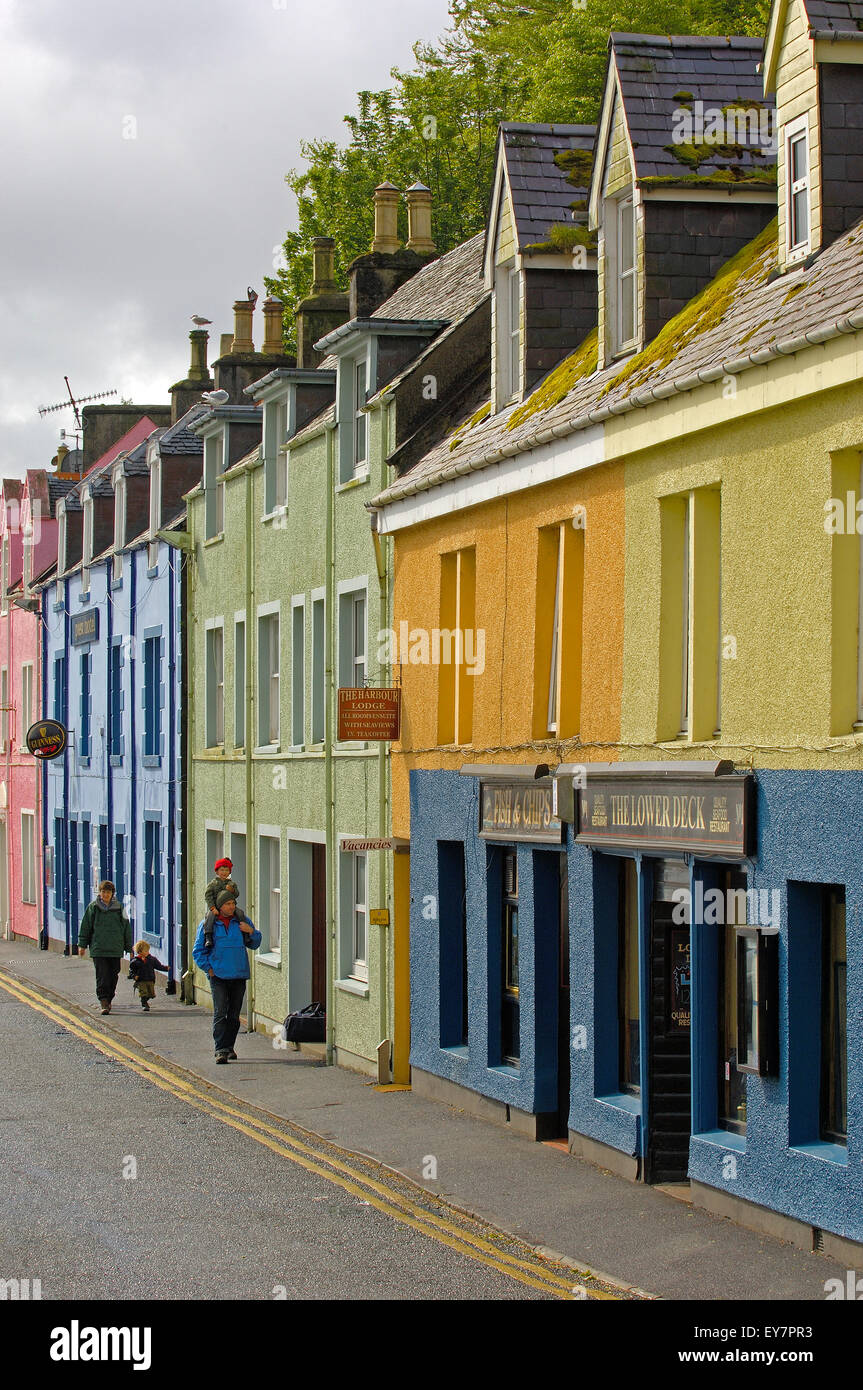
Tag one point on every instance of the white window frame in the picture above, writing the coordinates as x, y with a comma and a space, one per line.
360, 420
240, 681
319, 668
269, 679
214, 625
155, 508
275, 454
31, 884
87, 543
119, 527
270, 897
62, 536
625, 281
360, 918
794, 132
298, 672
508, 347
352, 662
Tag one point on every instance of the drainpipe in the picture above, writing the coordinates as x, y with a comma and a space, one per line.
190, 725
185, 687
329, 711
8, 714
172, 767
67, 867
133, 746
381, 557
109, 722
42, 769
251, 667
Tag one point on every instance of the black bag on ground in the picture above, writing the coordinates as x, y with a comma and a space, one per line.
307, 1025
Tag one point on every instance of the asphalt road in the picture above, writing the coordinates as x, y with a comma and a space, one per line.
210, 1212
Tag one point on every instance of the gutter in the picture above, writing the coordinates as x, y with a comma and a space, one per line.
851, 323
249, 734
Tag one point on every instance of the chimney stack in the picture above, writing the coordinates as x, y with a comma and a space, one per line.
186, 393
326, 307
419, 219
243, 310
274, 311
386, 238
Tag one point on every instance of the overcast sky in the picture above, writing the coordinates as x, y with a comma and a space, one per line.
142, 161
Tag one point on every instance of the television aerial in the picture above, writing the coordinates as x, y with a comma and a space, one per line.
74, 401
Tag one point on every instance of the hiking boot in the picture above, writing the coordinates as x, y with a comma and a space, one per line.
221, 1059
145, 1005
106, 1007
232, 1056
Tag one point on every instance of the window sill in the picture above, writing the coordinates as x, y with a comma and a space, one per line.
153, 573
824, 1150
84, 598
271, 958
58, 607
358, 480
84, 760
459, 1050
268, 750
621, 1100
350, 986
723, 1139
117, 583
506, 1069
275, 515
151, 760
214, 540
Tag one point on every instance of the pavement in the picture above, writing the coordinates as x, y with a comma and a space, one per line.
625, 1233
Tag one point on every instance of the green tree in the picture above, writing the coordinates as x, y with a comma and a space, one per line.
501, 60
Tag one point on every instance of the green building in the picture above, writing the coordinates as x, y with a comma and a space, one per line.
289, 603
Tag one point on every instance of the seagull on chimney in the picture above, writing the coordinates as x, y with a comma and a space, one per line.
251, 296
215, 398
199, 322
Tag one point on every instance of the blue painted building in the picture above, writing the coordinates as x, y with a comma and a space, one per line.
113, 661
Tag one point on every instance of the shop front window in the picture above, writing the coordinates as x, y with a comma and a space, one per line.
731, 1110
510, 1041
627, 978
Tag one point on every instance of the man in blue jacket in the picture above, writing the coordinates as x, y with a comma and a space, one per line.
228, 968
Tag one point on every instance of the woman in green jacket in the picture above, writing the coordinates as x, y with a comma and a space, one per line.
106, 929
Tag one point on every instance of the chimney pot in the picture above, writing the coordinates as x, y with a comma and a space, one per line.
323, 258
274, 311
419, 200
226, 342
243, 310
386, 238
198, 370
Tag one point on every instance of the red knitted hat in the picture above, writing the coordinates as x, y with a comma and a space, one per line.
223, 864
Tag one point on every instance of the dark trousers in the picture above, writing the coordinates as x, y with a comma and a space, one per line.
107, 970
227, 1002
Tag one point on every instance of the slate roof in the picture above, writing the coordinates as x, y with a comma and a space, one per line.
444, 289
541, 192
835, 17
179, 438
135, 462
763, 319
57, 488
448, 288
660, 76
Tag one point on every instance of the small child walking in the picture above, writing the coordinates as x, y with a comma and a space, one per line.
143, 971
220, 884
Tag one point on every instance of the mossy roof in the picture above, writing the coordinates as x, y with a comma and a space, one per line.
711, 337
543, 185
660, 81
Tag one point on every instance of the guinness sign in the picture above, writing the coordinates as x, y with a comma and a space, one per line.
47, 739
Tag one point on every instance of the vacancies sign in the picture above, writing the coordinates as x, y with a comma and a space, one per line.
707, 817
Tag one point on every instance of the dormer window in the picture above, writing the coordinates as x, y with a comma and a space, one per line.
61, 539
155, 509
119, 528
87, 548
797, 174
360, 424
275, 455
508, 333
625, 278
214, 488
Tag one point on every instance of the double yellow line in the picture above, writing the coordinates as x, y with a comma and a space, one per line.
377, 1194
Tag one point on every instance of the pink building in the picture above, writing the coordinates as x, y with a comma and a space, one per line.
28, 547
